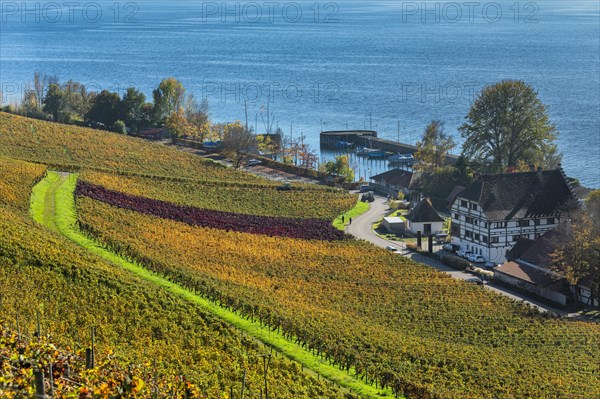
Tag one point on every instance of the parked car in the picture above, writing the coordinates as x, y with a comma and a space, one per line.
475, 280
476, 258
463, 254
391, 248
365, 188
490, 265
253, 162
452, 248
441, 238
367, 197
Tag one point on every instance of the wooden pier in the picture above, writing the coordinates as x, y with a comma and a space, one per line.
368, 139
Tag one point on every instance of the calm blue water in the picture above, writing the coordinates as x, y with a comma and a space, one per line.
359, 64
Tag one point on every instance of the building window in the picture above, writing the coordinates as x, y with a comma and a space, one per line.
494, 240
464, 204
484, 239
477, 237
523, 223
516, 237
536, 222
550, 221
474, 207
456, 216
485, 225
468, 234
500, 225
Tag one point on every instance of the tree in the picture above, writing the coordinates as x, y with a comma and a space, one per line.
132, 108
178, 126
105, 109
77, 101
29, 105
53, 101
197, 116
506, 124
340, 167
238, 142
577, 254
41, 83
432, 150
168, 98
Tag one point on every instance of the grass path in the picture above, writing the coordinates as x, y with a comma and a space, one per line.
53, 205
357, 210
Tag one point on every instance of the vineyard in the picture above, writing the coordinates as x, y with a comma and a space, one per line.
386, 324
317, 229
305, 201
136, 322
71, 147
391, 321
34, 365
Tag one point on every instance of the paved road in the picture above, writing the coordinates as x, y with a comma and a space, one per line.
258, 170
361, 228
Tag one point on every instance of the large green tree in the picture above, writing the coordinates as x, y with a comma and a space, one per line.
508, 124
53, 101
105, 108
132, 108
433, 148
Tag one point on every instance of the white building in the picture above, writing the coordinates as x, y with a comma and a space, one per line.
491, 214
425, 219
393, 224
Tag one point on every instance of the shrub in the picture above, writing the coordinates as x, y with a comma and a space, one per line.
119, 127
455, 262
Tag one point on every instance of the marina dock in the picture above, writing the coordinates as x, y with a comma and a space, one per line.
340, 139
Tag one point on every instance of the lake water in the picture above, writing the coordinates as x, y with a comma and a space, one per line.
326, 65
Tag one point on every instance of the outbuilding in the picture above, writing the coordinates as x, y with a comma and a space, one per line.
425, 219
393, 224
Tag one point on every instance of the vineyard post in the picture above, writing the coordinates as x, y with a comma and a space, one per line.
155, 389
93, 346
38, 326
40, 391
89, 353
50, 379
18, 328
243, 384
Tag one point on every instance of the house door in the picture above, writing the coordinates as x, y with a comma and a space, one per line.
427, 228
